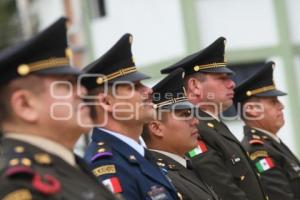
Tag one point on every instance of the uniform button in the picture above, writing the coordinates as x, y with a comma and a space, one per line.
258, 175
179, 196
14, 162
26, 162
242, 178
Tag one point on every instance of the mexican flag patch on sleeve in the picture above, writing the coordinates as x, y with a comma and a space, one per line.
201, 148
264, 164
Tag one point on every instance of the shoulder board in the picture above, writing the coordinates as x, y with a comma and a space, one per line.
257, 154
102, 151
256, 141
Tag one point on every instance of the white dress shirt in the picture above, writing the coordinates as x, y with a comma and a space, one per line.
131, 142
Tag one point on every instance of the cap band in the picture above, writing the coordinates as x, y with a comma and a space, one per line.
119, 73
207, 66
169, 102
25, 69
260, 90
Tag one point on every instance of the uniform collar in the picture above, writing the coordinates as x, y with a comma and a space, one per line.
273, 136
47, 145
131, 142
175, 157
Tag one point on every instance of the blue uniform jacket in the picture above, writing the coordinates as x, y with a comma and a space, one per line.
125, 171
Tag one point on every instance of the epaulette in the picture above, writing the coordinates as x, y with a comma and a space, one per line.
103, 151
21, 165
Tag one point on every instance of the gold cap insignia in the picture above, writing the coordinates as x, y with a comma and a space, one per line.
248, 93
99, 80
196, 68
23, 70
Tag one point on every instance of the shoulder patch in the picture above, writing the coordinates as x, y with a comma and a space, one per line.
105, 169
258, 154
201, 148
256, 141
21, 194
103, 151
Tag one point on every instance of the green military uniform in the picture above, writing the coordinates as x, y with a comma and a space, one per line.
188, 185
220, 160
281, 178
224, 164
278, 167
28, 172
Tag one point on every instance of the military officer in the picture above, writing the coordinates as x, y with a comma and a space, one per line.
222, 161
122, 104
262, 113
173, 134
38, 93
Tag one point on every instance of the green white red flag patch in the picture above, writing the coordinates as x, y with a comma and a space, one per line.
264, 164
201, 148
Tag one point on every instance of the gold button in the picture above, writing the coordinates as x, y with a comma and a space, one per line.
258, 174
26, 161
248, 93
14, 162
211, 125
179, 196
23, 69
100, 143
253, 131
242, 178
99, 80
154, 106
196, 68
19, 149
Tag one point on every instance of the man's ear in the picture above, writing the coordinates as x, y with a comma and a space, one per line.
194, 85
25, 105
253, 109
105, 101
156, 128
